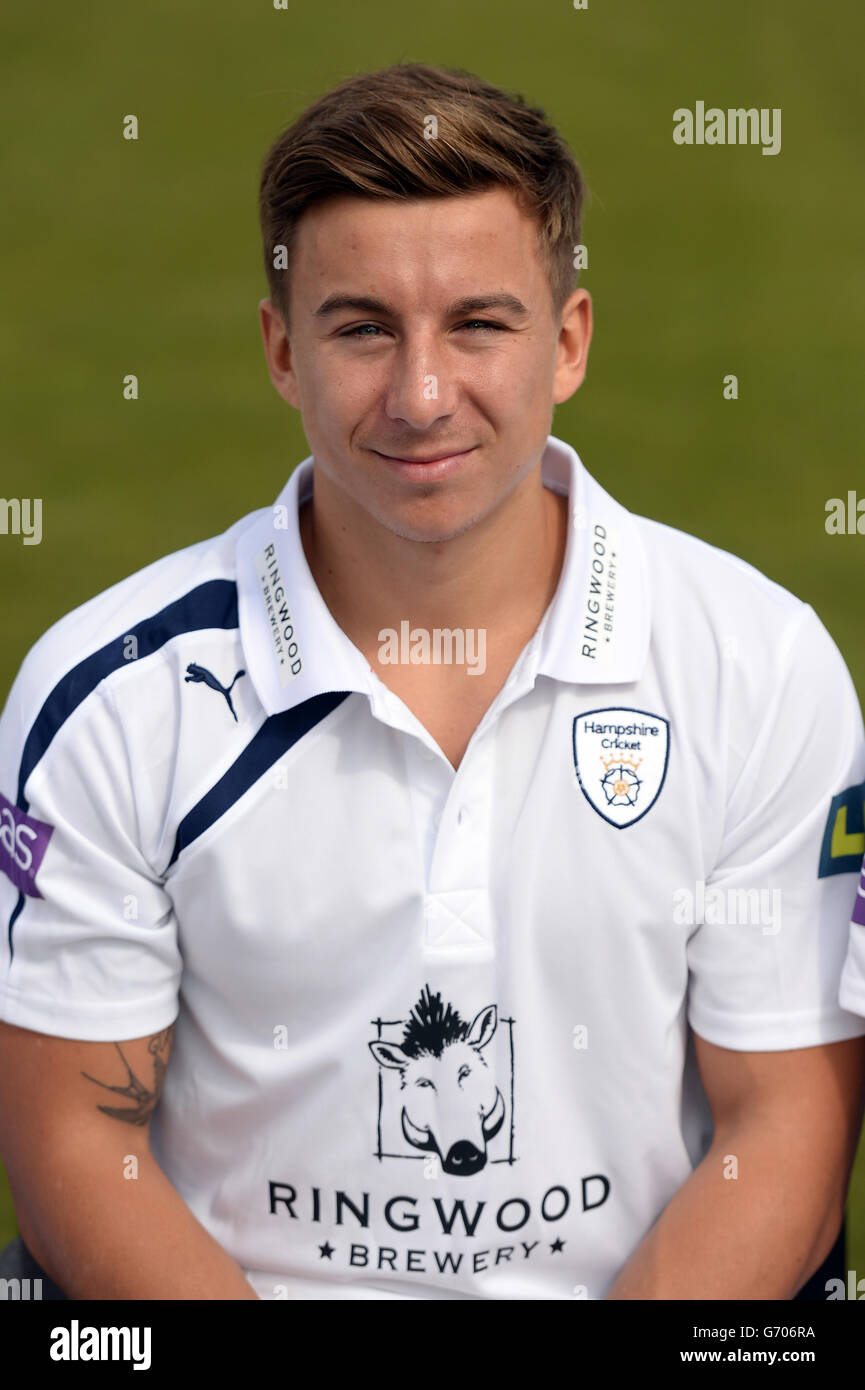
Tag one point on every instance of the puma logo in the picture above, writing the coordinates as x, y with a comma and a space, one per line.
201, 673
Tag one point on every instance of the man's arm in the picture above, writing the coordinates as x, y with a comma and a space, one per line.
93, 1206
791, 1122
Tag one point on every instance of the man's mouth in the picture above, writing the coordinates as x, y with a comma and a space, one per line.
427, 458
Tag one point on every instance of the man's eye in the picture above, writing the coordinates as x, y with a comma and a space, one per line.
483, 324
353, 332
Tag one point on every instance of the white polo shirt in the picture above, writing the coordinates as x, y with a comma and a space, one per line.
432, 1026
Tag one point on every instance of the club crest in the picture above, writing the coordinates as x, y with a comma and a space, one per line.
620, 758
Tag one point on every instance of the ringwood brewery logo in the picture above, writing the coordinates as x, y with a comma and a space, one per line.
620, 758
280, 620
446, 1098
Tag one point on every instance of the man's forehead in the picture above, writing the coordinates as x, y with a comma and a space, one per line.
395, 239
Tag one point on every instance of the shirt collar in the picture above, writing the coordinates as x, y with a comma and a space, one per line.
595, 631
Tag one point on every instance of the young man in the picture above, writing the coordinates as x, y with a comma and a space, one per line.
450, 853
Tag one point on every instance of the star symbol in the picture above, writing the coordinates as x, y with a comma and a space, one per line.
557, 1246
326, 1250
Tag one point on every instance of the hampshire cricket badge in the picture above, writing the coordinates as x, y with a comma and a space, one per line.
620, 758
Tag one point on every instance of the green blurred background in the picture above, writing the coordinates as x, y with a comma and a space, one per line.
144, 257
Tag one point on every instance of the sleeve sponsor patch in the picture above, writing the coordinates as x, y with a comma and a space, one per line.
844, 837
23, 842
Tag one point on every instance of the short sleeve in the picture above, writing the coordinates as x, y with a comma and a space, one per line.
766, 957
88, 936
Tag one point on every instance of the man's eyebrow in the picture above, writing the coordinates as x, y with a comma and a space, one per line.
470, 304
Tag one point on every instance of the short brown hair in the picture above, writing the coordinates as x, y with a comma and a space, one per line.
366, 138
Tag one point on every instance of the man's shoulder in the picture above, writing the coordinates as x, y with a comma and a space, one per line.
194, 587
683, 569
728, 630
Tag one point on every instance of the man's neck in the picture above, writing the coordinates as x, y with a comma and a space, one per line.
500, 575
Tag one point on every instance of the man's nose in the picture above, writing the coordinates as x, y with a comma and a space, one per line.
422, 387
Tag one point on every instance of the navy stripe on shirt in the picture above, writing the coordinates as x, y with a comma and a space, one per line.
210, 605
276, 735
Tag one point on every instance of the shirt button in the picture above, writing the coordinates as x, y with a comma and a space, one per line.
463, 817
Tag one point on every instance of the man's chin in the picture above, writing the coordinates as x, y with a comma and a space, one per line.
428, 535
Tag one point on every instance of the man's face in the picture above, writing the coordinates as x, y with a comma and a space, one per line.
412, 373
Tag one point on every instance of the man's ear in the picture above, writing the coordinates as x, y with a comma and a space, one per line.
575, 335
277, 350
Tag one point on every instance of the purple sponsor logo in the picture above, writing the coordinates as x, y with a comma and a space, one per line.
23, 842
859, 909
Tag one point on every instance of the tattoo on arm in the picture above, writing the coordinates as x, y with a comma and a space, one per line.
159, 1047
